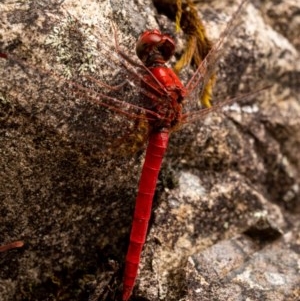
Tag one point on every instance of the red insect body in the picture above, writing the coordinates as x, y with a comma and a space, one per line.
155, 152
154, 56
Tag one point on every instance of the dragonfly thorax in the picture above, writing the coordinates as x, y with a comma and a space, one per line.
167, 103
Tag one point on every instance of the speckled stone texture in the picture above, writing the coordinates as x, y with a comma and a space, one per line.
225, 221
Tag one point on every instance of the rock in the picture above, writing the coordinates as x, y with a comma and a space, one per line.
72, 205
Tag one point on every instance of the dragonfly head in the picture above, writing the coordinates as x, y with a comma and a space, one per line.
154, 47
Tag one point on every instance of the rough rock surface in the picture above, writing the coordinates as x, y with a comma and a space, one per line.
225, 221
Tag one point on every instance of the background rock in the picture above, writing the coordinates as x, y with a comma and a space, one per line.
222, 176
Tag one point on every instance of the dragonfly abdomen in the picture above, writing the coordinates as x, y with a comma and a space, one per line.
157, 146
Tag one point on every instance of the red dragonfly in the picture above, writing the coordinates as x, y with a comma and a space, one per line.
165, 104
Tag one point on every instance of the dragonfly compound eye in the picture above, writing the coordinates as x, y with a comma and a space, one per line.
153, 43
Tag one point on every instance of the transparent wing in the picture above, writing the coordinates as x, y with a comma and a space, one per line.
208, 66
98, 105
